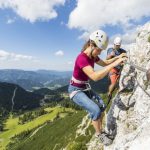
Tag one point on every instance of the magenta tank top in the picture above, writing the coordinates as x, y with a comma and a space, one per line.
82, 61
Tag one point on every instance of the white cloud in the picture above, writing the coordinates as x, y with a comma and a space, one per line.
10, 21
129, 36
84, 36
92, 14
33, 10
59, 53
18, 61
4, 55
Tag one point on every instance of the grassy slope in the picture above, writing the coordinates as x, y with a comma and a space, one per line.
55, 135
13, 128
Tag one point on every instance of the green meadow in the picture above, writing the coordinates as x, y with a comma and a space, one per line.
57, 135
13, 128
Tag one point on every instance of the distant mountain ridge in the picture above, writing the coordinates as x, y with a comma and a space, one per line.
46, 79
31, 79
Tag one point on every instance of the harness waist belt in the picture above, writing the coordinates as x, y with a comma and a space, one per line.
78, 81
74, 80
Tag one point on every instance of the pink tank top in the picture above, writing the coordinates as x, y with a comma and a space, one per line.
82, 61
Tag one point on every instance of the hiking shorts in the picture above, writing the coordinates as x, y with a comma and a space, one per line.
114, 75
86, 102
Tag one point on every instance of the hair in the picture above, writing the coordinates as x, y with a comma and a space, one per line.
87, 44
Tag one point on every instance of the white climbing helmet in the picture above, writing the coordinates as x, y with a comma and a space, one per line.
100, 38
117, 41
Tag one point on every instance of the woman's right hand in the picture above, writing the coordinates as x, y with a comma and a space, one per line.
119, 61
122, 55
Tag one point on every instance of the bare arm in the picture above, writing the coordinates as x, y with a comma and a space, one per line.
97, 75
109, 57
109, 61
106, 62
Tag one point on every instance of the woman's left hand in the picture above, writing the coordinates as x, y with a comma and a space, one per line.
122, 55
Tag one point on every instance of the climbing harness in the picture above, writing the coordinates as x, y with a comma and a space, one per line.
86, 83
74, 80
88, 91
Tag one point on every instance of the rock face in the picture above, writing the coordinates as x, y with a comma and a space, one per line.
129, 116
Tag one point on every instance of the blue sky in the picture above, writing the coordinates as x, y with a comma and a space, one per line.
49, 34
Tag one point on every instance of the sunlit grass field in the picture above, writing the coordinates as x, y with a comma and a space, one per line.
13, 128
